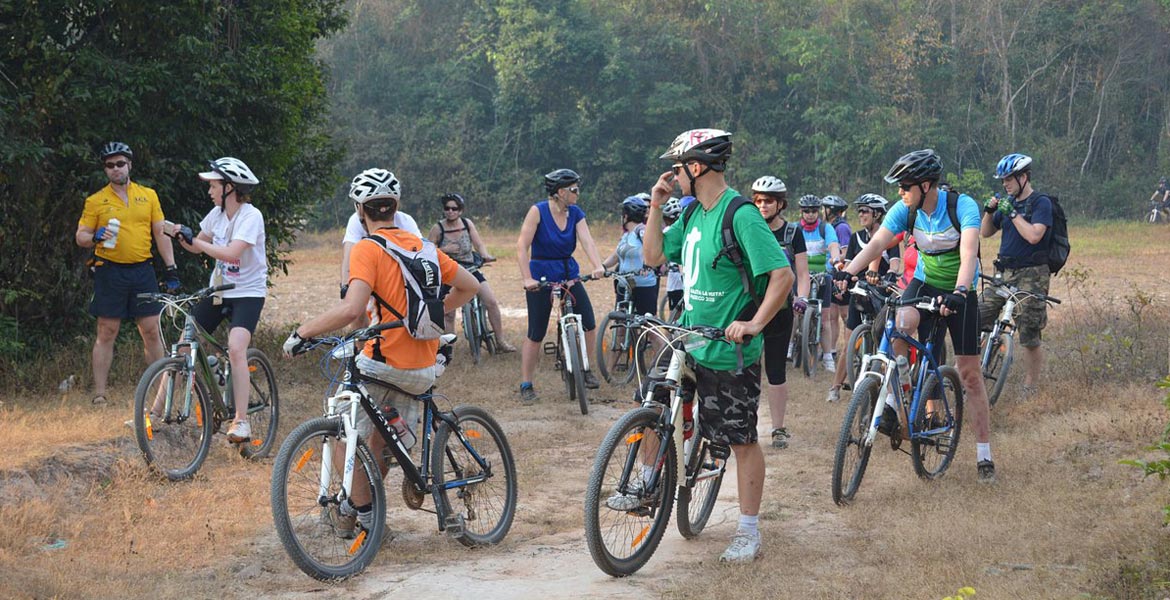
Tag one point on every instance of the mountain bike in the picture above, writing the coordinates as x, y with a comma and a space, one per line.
861, 341
477, 327
632, 484
617, 347
807, 349
572, 356
185, 397
929, 398
1157, 214
466, 468
997, 347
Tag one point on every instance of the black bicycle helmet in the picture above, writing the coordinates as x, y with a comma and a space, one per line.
809, 201
834, 202
875, 202
114, 149
454, 197
560, 178
920, 165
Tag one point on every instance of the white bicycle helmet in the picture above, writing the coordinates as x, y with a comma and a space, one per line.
769, 185
711, 147
672, 209
233, 170
374, 184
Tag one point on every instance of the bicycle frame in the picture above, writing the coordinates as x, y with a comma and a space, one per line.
1005, 322
888, 373
191, 338
564, 300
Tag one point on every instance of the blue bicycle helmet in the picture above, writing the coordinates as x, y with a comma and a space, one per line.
635, 209
1012, 164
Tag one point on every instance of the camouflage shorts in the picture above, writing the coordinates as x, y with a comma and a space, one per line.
1031, 314
728, 404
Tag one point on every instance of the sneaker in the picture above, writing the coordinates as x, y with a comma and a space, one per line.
628, 501
591, 381
780, 437
889, 423
833, 395
528, 396
986, 471
830, 363
241, 431
745, 547
344, 526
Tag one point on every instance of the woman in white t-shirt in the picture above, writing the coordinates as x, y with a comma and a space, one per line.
355, 230
233, 234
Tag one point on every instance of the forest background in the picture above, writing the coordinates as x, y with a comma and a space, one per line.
483, 96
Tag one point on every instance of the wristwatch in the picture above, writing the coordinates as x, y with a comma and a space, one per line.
1012, 215
962, 289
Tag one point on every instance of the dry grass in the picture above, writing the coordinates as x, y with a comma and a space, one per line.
1065, 518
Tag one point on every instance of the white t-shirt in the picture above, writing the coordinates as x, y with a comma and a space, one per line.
250, 273
354, 232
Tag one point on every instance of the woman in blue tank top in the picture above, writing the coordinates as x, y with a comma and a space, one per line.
548, 238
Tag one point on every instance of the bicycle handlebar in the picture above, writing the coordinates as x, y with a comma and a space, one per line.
545, 284
199, 295
999, 282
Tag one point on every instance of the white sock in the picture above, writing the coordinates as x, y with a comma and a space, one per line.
891, 401
749, 524
982, 451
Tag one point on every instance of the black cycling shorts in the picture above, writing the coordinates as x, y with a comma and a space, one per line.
540, 308
963, 325
776, 337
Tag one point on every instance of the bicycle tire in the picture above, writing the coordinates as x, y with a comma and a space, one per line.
851, 455
485, 509
941, 446
263, 406
809, 326
664, 307
995, 373
577, 369
471, 332
858, 346
622, 541
304, 518
175, 444
703, 488
614, 345
797, 345
487, 334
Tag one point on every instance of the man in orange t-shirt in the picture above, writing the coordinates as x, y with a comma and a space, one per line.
397, 359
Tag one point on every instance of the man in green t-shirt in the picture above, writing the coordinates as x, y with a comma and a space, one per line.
713, 295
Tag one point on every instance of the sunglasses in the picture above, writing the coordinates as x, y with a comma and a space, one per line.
864, 211
116, 165
574, 190
810, 210
906, 187
677, 168
764, 200
452, 208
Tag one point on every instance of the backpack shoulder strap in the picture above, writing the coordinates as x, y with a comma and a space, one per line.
789, 233
731, 247
821, 230
383, 243
690, 210
953, 209
442, 232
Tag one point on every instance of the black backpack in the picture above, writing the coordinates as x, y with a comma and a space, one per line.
1056, 236
731, 247
443, 232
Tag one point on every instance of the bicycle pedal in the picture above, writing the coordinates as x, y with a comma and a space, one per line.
454, 526
720, 451
550, 348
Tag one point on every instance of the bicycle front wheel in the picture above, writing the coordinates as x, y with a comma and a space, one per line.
940, 408
810, 334
471, 331
857, 348
615, 349
263, 406
483, 509
999, 363
577, 368
173, 429
852, 453
624, 521
696, 495
306, 494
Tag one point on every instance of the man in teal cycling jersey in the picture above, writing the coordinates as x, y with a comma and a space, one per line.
948, 265
713, 295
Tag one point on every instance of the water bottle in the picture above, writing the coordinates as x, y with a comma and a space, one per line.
404, 432
112, 228
904, 373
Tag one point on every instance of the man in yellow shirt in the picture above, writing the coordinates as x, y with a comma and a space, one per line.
122, 268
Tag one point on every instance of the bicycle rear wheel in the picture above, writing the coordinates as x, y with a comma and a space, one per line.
852, 453
621, 539
306, 494
941, 407
471, 331
999, 363
577, 369
615, 349
696, 495
263, 406
482, 511
173, 441
487, 335
810, 335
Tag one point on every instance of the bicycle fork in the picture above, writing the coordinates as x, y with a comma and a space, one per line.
579, 340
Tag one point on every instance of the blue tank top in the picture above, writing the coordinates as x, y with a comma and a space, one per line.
552, 248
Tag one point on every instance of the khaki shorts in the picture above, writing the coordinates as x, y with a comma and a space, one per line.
412, 381
1031, 313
